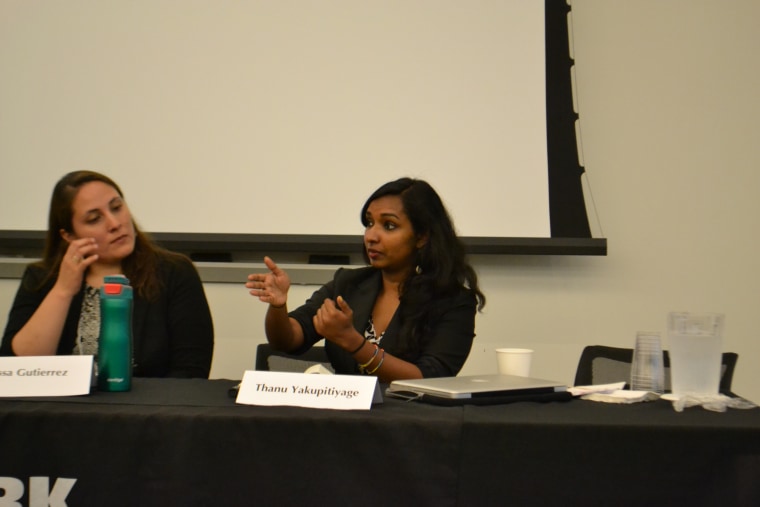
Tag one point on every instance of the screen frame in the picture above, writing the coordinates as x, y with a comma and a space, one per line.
570, 231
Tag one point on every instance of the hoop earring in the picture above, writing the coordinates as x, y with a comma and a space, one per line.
418, 269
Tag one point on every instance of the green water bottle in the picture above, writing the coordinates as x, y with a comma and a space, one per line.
115, 341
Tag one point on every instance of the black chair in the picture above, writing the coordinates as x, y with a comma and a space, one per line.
282, 361
600, 364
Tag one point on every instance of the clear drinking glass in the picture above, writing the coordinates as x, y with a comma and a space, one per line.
648, 367
695, 352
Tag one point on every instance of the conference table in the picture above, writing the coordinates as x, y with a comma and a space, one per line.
185, 442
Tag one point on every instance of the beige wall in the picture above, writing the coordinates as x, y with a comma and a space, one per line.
669, 115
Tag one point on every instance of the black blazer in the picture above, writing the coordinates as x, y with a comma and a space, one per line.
172, 336
442, 353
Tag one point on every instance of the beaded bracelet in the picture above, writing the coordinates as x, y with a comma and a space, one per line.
363, 366
382, 358
364, 342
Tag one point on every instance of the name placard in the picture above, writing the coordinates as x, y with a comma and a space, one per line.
340, 392
45, 376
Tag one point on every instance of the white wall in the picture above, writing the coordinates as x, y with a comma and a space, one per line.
669, 106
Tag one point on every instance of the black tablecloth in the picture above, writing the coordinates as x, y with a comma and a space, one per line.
186, 442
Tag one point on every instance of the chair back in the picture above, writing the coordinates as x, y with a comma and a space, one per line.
600, 364
274, 360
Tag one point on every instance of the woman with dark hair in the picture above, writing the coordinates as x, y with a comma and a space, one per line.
409, 314
91, 234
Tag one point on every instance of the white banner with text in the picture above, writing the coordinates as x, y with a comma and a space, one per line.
45, 376
341, 392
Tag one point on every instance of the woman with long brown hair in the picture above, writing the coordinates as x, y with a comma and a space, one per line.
91, 234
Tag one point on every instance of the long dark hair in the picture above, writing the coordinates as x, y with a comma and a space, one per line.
443, 266
139, 266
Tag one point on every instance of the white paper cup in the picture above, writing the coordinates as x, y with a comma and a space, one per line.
514, 361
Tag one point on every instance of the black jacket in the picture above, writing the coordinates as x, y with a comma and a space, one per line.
173, 336
441, 354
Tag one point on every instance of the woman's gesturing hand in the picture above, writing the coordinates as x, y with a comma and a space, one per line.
270, 287
334, 321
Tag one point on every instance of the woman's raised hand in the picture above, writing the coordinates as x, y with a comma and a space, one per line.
270, 287
78, 257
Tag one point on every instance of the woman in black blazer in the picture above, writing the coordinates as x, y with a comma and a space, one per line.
91, 234
409, 314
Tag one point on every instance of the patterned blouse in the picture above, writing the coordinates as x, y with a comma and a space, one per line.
369, 332
89, 324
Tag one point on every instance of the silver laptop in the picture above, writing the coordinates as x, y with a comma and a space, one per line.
475, 386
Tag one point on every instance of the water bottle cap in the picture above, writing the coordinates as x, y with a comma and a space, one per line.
116, 279
112, 288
